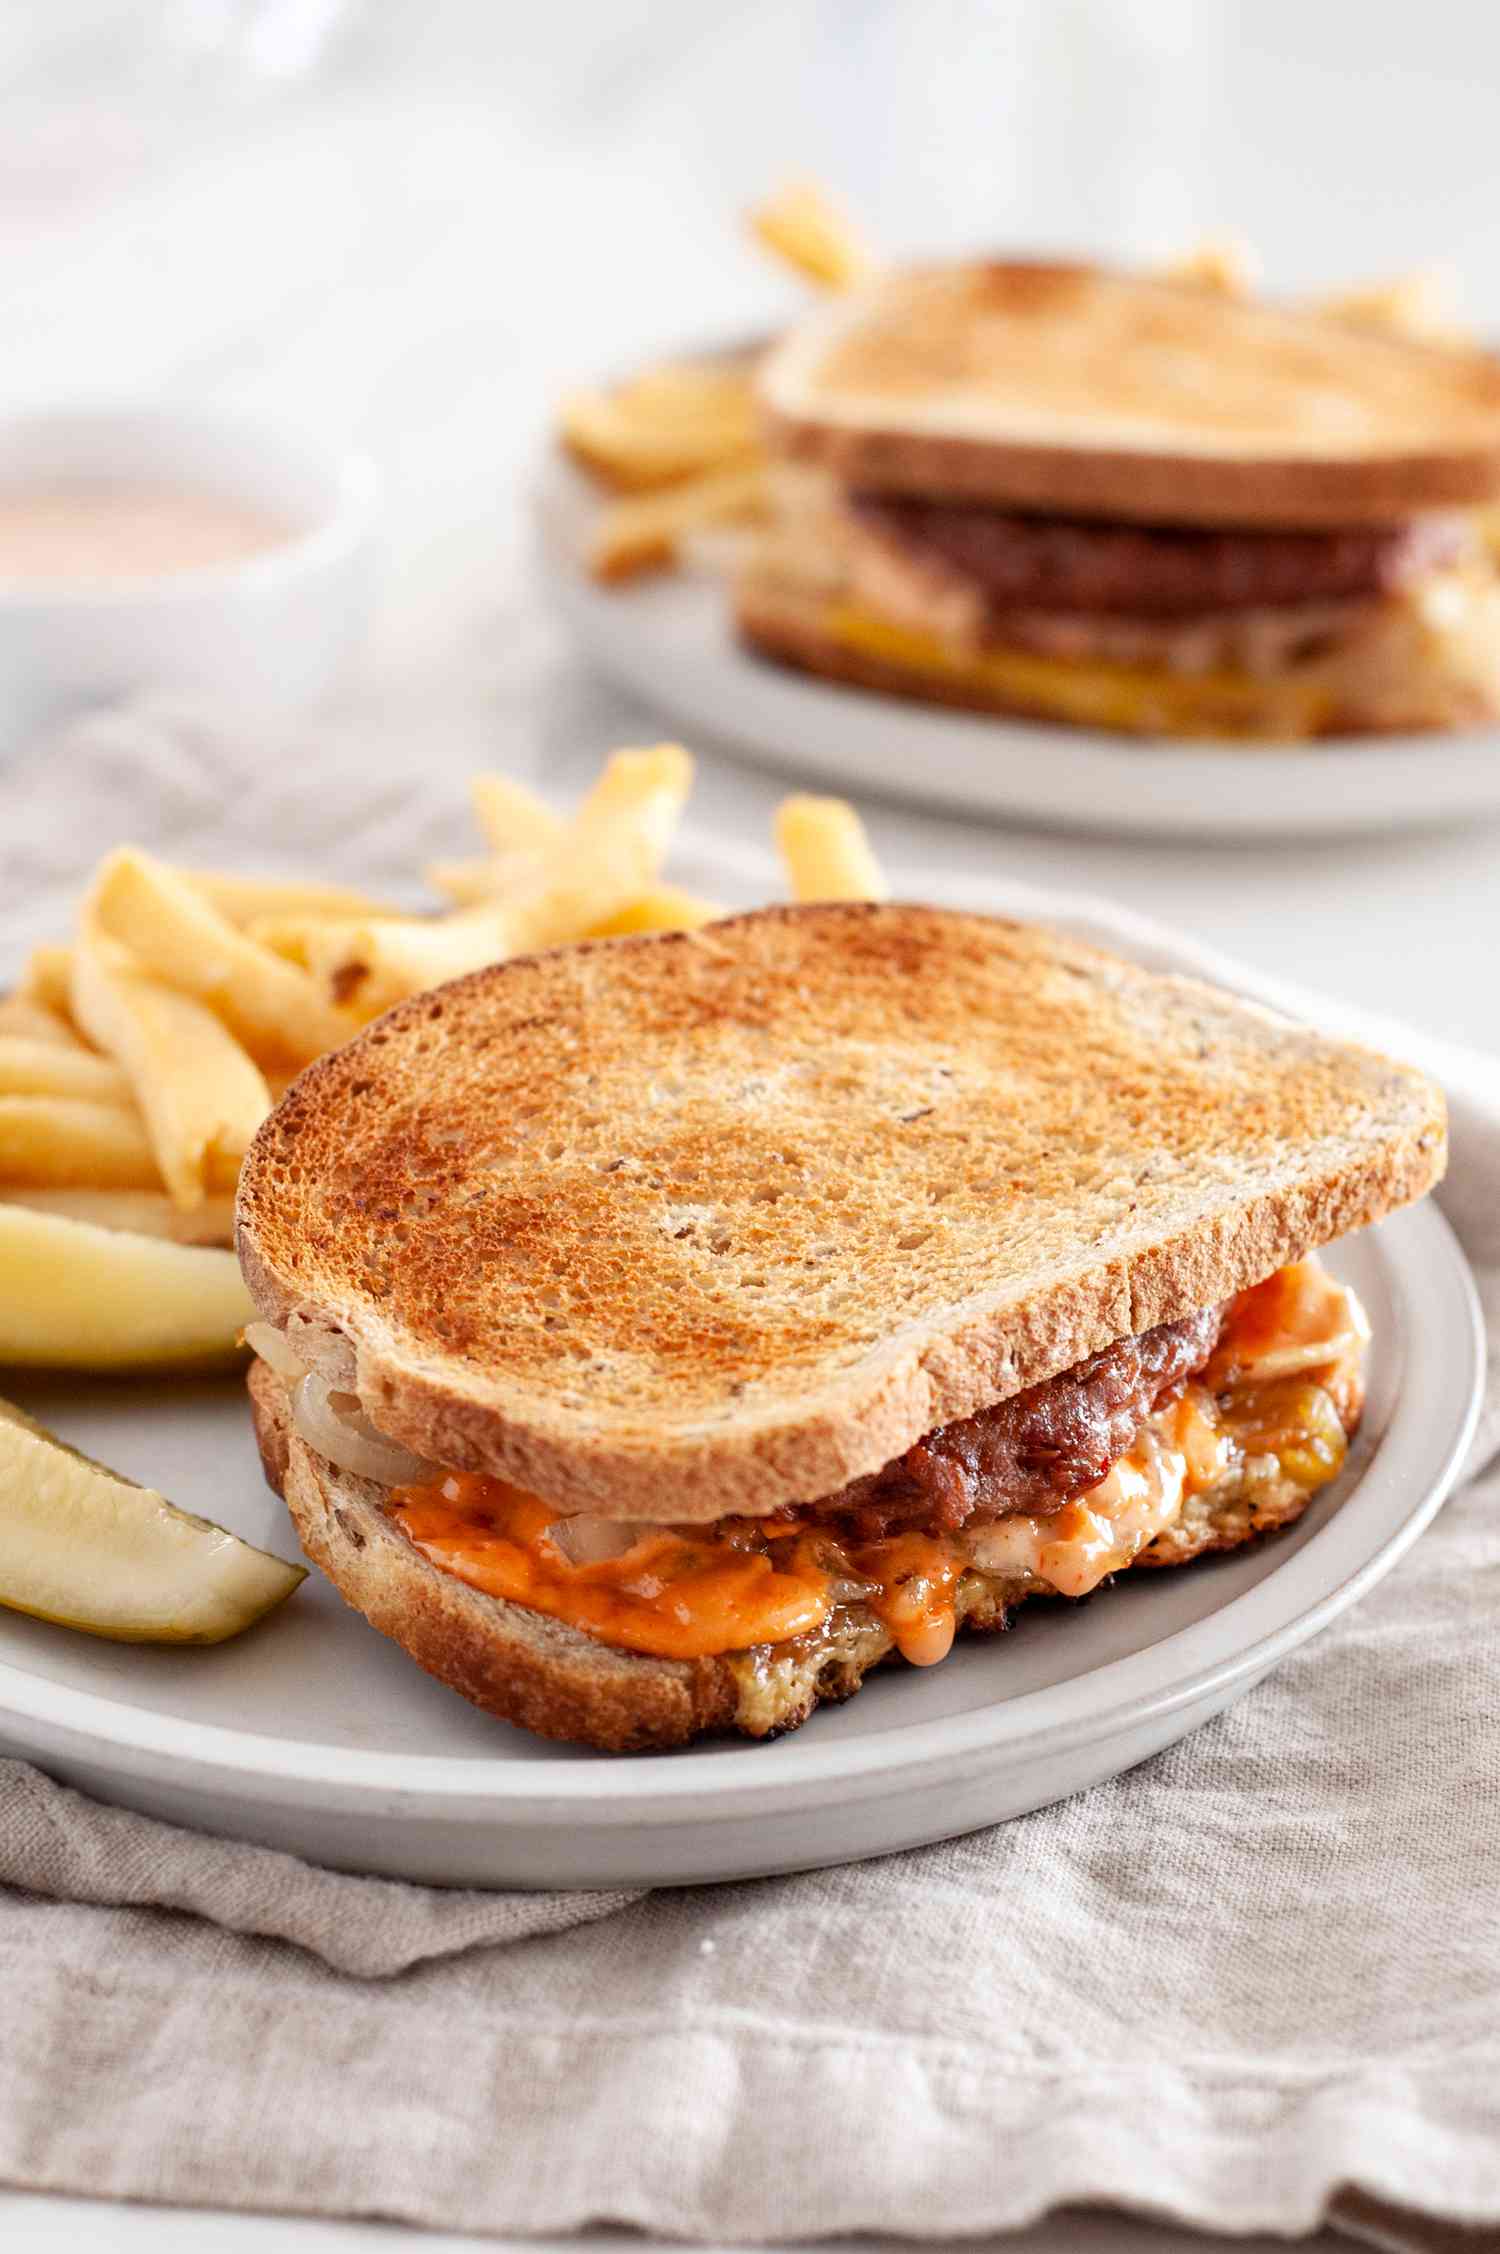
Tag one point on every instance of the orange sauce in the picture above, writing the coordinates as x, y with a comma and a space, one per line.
696, 1593
680, 1595
104, 534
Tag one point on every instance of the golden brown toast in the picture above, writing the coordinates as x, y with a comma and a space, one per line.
709, 1222
1074, 390
552, 1679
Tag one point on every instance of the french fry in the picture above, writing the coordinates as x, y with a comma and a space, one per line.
33, 1021
516, 825
63, 1141
802, 224
511, 818
1421, 304
640, 535
47, 977
624, 783
368, 966
287, 935
274, 1008
1226, 264
467, 883
48, 1068
143, 1213
826, 853
608, 856
242, 900
647, 787
79, 1297
669, 424
663, 908
612, 852
200, 1096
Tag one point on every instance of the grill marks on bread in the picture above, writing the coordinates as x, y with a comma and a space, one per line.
740, 1215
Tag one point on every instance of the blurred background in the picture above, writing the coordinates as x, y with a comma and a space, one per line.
405, 220
409, 223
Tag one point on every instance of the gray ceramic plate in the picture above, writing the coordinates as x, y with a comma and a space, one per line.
314, 1734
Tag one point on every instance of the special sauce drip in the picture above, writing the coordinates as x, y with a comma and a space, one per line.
696, 1593
680, 1593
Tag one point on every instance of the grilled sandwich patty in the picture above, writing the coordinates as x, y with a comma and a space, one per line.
1044, 563
1038, 1450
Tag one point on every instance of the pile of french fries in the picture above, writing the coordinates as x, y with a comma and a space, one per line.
676, 449
138, 1058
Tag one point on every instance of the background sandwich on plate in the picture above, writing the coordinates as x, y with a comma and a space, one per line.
1130, 503
658, 1335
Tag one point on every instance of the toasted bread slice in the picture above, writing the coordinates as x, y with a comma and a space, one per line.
560, 1683
729, 1218
513, 1662
1390, 667
1074, 390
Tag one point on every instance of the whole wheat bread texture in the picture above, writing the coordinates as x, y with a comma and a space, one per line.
554, 1680
711, 1222
1074, 390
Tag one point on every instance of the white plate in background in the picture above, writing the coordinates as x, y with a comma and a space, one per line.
668, 640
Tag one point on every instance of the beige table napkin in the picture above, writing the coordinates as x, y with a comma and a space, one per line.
1252, 1985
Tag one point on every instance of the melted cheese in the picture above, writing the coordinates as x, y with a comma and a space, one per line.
1179, 1452
1087, 692
1297, 1321
697, 1593
679, 1595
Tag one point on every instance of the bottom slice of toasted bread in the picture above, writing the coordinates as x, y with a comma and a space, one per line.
1396, 672
560, 1683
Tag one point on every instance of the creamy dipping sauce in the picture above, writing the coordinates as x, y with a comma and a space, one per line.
108, 533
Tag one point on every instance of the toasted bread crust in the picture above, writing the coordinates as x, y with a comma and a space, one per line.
559, 1683
511, 1662
739, 1215
1076, 391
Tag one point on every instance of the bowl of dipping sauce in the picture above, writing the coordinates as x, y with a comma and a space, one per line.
157, 548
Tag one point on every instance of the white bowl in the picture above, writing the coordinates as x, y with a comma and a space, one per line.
264, 636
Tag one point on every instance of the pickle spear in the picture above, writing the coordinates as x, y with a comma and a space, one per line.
84, 1547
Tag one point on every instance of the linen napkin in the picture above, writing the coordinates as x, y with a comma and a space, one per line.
1252, 1985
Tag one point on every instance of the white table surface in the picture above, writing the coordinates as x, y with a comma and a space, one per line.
469, 205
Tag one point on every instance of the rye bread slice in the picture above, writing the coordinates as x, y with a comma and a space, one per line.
716, 1221
1074, 390
539, 1673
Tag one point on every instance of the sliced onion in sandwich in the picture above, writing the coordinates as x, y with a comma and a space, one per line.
593, 1541
334, 1425
277, 1351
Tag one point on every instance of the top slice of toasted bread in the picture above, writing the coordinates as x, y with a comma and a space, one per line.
1074, 390
713, 1221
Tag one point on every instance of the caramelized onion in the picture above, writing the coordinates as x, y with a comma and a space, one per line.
277, 1351
591, 1541
336, 1427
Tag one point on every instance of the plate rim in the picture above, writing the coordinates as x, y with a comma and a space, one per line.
1426, 1265
1416, 781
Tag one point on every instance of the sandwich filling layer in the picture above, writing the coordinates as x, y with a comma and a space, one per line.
1251, 1403
1162, 628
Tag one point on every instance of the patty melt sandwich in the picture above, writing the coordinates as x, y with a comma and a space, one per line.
1130, 504
661, 1333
